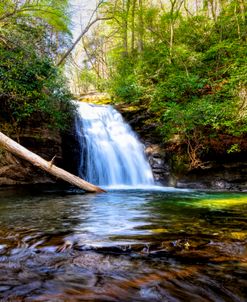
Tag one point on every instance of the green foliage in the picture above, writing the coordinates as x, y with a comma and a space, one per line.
34, 84
30, 83
188, 66
50, 12
88, 80
185, 63
125, 84
204, 115
126, 88
234, 148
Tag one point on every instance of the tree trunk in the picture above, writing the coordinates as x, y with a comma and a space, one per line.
125, 21
18, 150
141, 27
133, 26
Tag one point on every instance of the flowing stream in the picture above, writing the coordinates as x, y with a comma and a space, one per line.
124, 245
111, 154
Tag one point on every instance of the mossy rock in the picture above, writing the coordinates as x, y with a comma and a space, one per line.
96, 98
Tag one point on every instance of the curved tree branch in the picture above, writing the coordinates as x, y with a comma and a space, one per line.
91, 22
79, 38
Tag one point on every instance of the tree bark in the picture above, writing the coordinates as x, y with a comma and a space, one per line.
141, 27
68, 52
125, 21
18, 150
133, 26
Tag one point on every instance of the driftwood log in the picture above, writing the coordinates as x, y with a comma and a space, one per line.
20, 151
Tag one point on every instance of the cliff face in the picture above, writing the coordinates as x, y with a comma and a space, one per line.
44, 142
222, 171
222, 176
47, 143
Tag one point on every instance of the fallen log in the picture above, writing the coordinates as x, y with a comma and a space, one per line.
20, 151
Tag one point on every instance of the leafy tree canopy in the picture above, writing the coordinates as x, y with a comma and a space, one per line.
186, 61
32, 36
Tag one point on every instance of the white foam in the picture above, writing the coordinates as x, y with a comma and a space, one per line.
111, 154
144, 188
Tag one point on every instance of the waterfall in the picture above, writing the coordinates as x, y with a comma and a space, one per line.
110, 151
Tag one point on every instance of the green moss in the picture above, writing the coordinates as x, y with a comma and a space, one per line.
179, 163
221, 202
97, 99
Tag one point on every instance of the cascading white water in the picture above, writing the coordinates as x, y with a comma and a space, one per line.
110, 151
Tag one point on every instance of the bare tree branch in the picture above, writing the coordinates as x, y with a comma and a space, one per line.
79, 38
91, 22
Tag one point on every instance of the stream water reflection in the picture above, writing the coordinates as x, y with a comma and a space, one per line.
124, 245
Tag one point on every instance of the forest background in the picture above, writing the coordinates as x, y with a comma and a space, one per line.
182, 61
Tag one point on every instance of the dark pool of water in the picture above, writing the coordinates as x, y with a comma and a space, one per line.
122, 246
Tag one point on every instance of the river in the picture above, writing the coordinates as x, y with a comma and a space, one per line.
159, 244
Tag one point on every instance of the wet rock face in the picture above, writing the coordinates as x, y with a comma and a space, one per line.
45, 142
158, 162
71, 151
220, 176
14, 171
224, 171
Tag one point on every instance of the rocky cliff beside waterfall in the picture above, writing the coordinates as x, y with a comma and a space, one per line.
220, 171
44, 141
